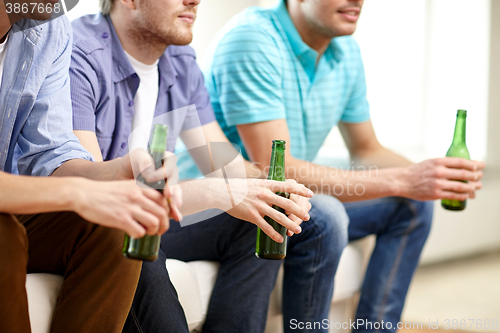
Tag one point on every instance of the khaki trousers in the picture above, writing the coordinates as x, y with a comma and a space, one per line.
99, 283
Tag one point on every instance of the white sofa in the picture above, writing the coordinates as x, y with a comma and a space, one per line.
194, 282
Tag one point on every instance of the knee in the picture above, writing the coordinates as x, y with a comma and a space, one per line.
329, 216
422, 212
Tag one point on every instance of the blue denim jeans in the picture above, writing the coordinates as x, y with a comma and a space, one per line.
240, 298
401, 227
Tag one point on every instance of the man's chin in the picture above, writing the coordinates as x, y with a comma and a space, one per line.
183, 39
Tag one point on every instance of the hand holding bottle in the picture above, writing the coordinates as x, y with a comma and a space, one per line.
257, 199
437, 179
121, 205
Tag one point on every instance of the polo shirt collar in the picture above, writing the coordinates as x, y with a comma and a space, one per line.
306, 55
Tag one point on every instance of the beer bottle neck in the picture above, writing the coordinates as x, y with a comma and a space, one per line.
277, 167
158, 144
459, 136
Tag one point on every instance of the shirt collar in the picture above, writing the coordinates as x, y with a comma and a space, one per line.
122, 68
306, 55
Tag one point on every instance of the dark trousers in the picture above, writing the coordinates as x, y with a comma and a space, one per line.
99, 283
240, 297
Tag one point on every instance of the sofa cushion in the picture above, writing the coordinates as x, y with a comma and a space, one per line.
194, 282
42, 292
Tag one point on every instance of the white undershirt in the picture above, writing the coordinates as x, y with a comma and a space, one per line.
144, 103
3, 47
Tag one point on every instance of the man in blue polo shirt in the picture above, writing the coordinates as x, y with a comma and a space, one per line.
127, 72
293, 72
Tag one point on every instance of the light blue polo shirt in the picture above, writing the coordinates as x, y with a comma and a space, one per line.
259, 69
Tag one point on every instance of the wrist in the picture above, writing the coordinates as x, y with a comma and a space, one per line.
71, 195
398, 182
220, 193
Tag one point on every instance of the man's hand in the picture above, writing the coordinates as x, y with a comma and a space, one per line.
302, 202
140, 162
122, 205
261, 196
437, 179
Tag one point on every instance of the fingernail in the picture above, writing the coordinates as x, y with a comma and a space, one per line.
306, 217
310, 194
298, 230
279, 239
291, 233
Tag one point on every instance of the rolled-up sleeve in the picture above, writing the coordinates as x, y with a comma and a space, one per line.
47, 139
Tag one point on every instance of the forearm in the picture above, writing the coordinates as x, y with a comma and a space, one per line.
87, 169
203, 194
353, 184
381, 158
32, 195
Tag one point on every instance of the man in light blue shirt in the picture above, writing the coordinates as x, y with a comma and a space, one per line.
293, 72
35, 116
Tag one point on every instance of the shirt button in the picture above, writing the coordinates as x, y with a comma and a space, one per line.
105, 35
123, 145
131, 103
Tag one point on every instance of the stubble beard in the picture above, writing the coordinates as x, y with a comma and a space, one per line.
148, 33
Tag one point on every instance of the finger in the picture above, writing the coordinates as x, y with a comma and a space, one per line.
131, 227
480, 164
458, 163
281, 219
288, 187
456, 186
476, 185
149, 221
288, 205
175, 213
177, 195
159, 207
156, 197
295, 219
460, 174
164, 226
472, 195
453, 195
151, 175
170, 168
141, 161
267, 228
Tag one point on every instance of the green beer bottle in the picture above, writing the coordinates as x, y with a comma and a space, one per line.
267, 248
147, 247
458, 149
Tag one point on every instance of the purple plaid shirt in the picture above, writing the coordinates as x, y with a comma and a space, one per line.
104, 84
